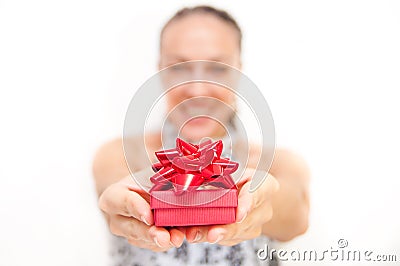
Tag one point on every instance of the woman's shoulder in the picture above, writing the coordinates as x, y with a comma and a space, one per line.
278, 157
139, 145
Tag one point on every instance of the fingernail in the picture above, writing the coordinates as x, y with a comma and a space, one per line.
241, 220
156, 241
219, 238
197, 237
144, 220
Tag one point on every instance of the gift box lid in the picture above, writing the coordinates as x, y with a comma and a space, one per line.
196, 198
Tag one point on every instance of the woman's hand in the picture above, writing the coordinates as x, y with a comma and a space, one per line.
128, 214
253, 211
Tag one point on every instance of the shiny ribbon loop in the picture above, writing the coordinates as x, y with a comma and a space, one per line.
189, 166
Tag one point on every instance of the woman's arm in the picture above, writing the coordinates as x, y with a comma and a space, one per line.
290, 204
277, 209
125, 205
109, 165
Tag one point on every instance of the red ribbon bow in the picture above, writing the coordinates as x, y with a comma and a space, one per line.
189, 166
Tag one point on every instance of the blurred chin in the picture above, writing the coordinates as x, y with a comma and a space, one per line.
199, 128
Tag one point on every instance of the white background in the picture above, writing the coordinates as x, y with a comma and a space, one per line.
330, 71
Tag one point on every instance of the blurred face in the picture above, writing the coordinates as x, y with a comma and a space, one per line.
199, 37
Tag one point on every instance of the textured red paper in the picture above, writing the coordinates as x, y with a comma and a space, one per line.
217, 206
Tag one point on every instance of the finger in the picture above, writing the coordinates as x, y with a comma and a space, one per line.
177, 237
245, 198
133, 230
249, 229
228, 236
129, 228
181, 228
196, 234
217, 233
250, 232
146, 245
265, 192
248, 201
245, 203
117, 199
231, 242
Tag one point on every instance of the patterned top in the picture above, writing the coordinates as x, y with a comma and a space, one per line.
242, 254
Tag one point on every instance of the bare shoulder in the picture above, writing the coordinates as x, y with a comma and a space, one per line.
284, 161
116, 146
109, 155
290, 162
110, 165
112, 152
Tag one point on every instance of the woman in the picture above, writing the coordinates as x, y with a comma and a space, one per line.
278, 209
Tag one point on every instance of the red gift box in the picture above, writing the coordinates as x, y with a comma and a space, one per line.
193, 186
218, 211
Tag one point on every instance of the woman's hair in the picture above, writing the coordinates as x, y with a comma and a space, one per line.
218, 13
